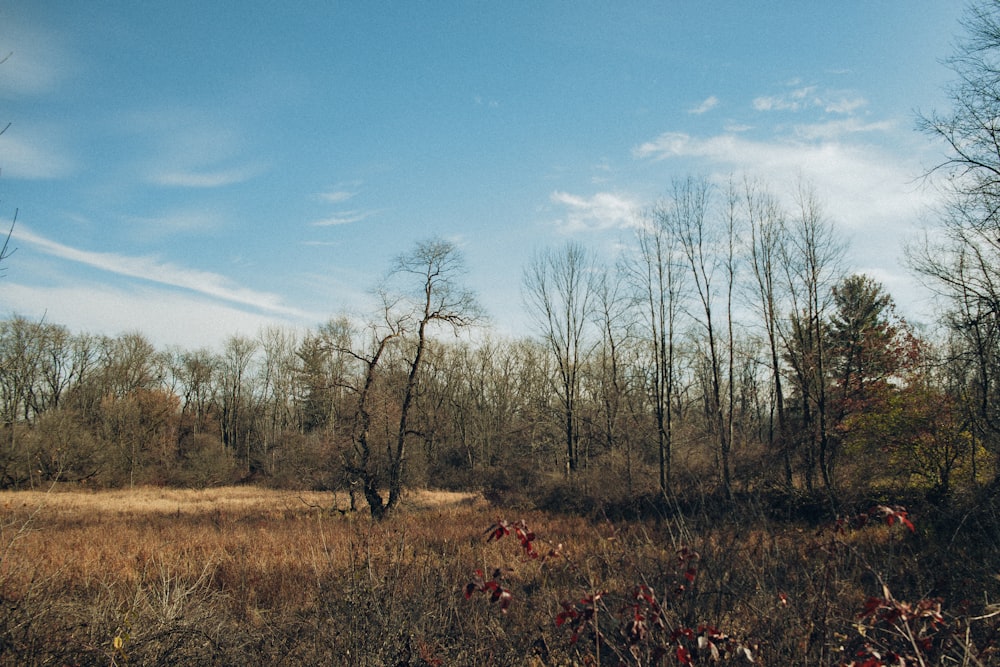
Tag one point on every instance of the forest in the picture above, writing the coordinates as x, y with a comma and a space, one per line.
725, 353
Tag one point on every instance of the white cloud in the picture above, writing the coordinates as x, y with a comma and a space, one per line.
604, 210
859, 180
838, 128
29, 153
191, 148
707, 105
810, 97
204, 179
873, 197
37, 62
163, 273
176, 222
337, 196
794, 100
845, 104
343, 218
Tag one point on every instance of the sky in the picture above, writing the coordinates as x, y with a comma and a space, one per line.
198, 170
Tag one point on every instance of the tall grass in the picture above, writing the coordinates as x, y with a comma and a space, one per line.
244, 575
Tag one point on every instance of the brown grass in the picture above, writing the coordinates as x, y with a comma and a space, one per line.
241, 575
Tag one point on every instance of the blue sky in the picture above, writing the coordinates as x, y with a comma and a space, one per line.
193, 170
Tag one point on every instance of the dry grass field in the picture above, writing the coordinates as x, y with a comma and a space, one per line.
233, 576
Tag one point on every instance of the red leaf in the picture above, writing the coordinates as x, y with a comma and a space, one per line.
505, 599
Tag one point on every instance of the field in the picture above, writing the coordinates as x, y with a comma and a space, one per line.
232, 576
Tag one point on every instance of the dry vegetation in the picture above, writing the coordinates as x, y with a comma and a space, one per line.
240, 575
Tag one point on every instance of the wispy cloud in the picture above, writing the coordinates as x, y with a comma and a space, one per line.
343, 218
801, 98
862, 187
865, 190
38, 60
163, 273
205, 179
707, 105
191, 148
337, 196
604, 210
837, 129
32, 153
183, 221
794, 100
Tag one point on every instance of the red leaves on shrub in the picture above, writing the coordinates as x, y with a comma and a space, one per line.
912, 628
644, 611
643, 621
889, 610
498, 530
578, 615
892, 515
492, 587
523, 534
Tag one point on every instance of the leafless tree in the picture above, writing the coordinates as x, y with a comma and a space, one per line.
423, 291
813, 263
767, 233
558, 291
961, 259
658, 276
700, 243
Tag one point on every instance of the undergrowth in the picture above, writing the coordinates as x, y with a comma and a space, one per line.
286, 581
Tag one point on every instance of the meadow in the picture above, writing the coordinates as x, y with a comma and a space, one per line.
238, 575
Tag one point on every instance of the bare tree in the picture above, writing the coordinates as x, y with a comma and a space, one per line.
699, 242
961, 260
558, 290
812, 262
658, 276
238, 399
613, 317
767, 229
430, 294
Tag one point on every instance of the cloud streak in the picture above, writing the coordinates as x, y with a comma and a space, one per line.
204, 179
336, 197
343, 218
164, 273
707, 105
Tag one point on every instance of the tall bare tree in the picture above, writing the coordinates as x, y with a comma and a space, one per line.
658, 275
813, 263
558, 291
424, 291
767, 227
700, 239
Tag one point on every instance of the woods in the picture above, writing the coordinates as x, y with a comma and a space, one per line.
727, 351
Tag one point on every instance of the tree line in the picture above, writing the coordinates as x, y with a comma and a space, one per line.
726, 350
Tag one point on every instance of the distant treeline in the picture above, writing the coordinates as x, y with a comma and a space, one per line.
725, 352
